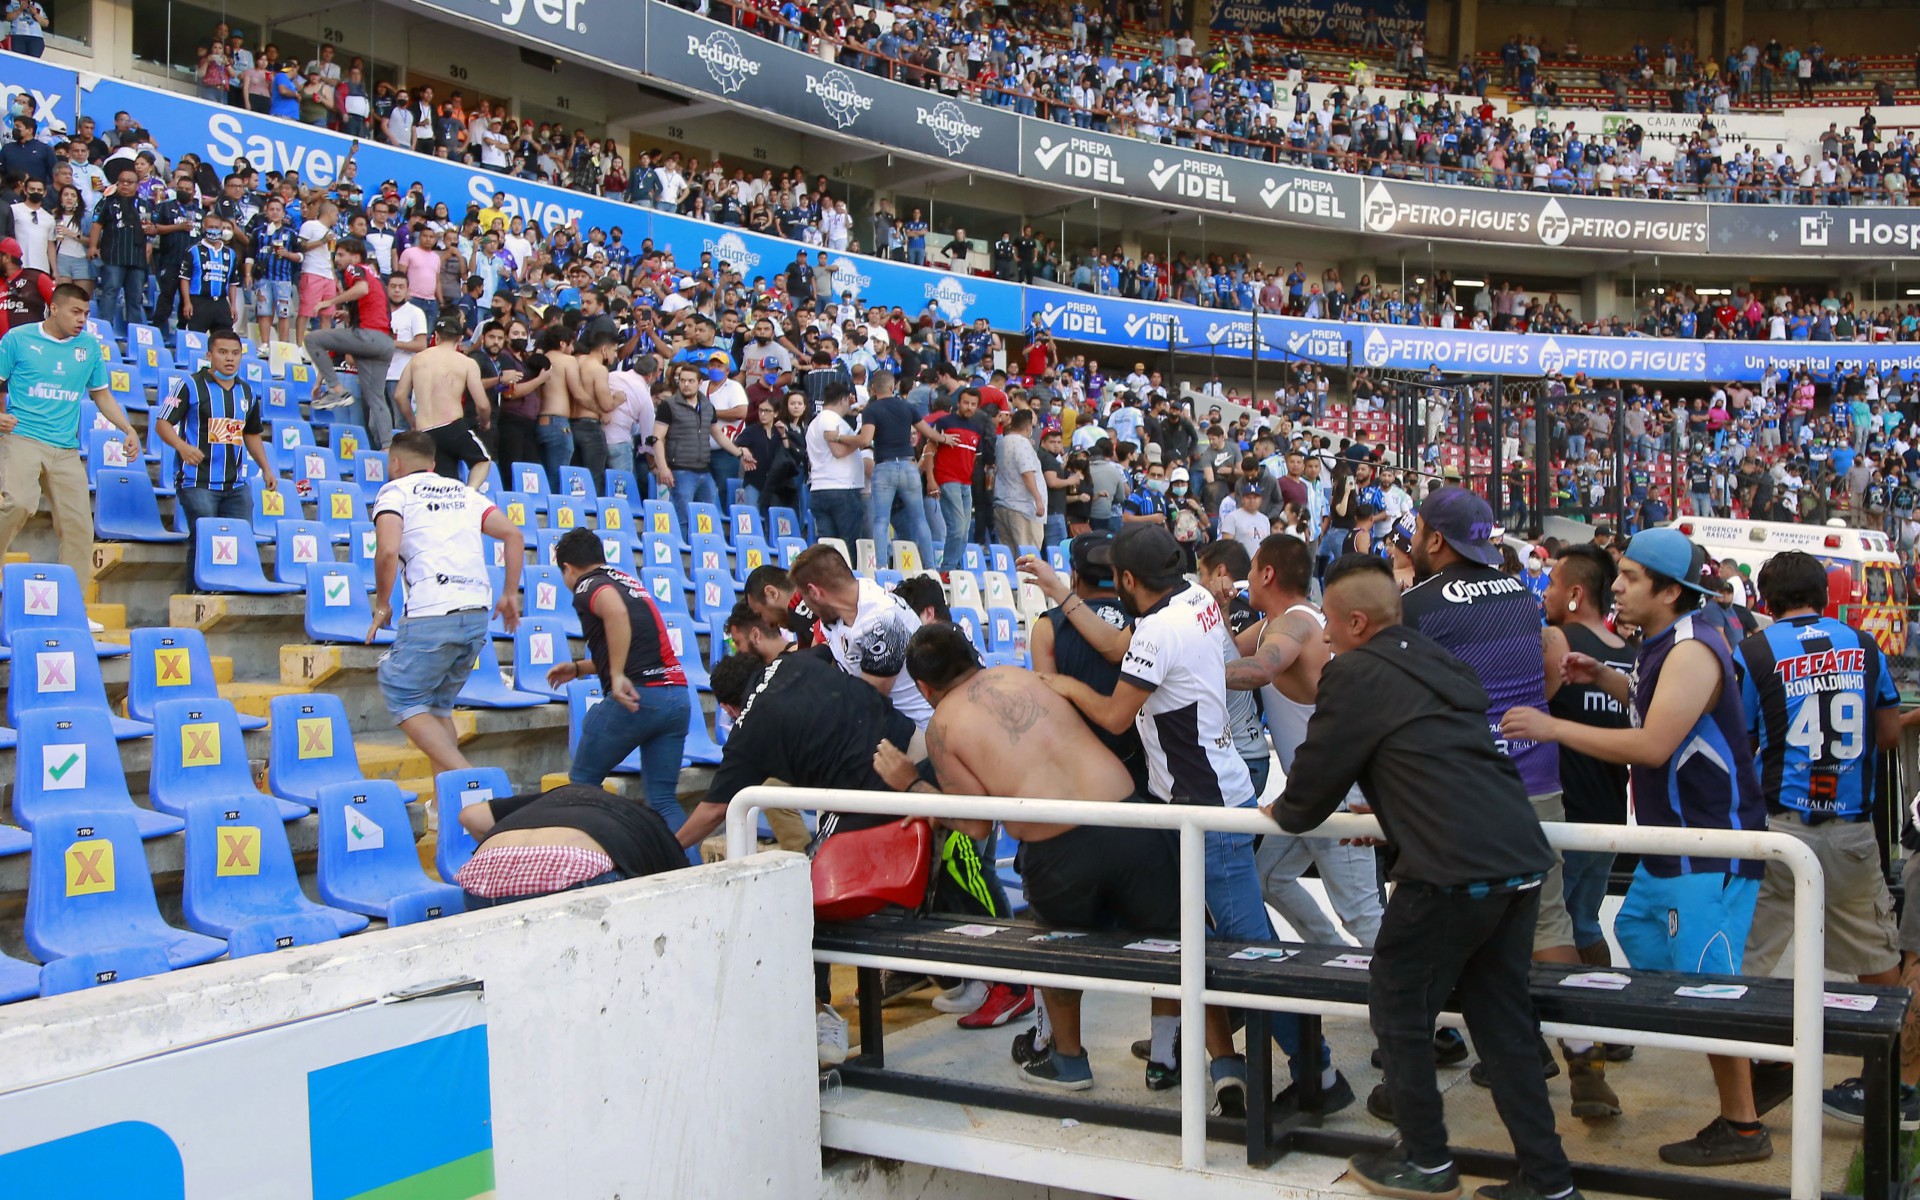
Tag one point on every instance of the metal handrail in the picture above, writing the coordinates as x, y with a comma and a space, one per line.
1194, 822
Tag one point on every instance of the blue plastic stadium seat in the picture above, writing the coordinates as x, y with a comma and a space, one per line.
667, 587
749, 555
337, 506
487, 688
312, 746
616, 552
172, 664
337, 606
973, 623
289, 438
658, 550
705, 519
530, 479
61, 671
622, 485
347, 440
544, 596
743, 520
88, 890
888, 578
127, 509
542, 544
277, 403
453, 791
67, 761
14, 840
105, 450
281, 933
369, 473
537, 647
615, 518
240, 871
789, 549
523, 515
18, 980
661, 519
272, 506
367, 858
189, 345
118, 964
713, 593
429, 905
227, 559
363, 545
1059, 559
45, 598
568, 513
127, 388
683, 633
711, 553
1003, 630
582, 695
199, 758
701, 748
296, 545
577, 484
782, 523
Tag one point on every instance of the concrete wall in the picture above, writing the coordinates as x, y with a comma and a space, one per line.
855, 1177
651, 1038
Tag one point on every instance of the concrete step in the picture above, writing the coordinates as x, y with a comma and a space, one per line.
251, 629
351, 673
256, 698
141, 578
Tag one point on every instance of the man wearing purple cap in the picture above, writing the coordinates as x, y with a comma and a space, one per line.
1491, 621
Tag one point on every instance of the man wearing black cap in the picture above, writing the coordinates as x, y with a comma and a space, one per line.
1173, 688
1492, 622
1084, 634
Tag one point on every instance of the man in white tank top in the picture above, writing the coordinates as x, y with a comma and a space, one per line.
1284, 664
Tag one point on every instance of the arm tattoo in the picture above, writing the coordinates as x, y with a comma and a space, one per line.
937, 748
1016, 713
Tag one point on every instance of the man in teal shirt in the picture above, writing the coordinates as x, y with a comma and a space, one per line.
46, 369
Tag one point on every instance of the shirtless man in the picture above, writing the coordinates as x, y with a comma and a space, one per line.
441, 378
594, 401
1284, 660
1002, 732
557, 403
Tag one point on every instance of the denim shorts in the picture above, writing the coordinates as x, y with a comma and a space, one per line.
275, 297
429, 662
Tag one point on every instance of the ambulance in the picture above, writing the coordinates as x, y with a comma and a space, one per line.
1865, 583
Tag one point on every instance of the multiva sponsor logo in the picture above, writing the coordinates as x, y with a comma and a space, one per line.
1079, 158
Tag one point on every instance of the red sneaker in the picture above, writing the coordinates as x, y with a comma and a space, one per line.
1002, 1004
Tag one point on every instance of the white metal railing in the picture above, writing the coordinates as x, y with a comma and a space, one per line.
1194, 822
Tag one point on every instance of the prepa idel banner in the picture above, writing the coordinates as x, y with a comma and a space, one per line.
608, 31
1533, 218
739, 66
221, 135
1136, 170
870, 280
53, 89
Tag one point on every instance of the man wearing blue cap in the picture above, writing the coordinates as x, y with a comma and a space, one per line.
1691, 769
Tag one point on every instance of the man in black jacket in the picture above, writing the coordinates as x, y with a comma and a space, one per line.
1406, 720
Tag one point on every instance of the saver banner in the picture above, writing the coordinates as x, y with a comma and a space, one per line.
871, 280
744, 68
54, 89
612, 32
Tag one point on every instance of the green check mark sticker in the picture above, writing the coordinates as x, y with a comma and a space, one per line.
60, 771
338, 586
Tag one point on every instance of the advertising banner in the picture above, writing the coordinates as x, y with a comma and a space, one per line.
221, 134
54, 89
871, 280
1793, 229
1339, 20
307, 1108
739, 66
612, 32
1137, 170
1533, 218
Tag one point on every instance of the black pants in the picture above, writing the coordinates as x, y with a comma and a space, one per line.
590, 448
519, 441
210, 313
1431, 943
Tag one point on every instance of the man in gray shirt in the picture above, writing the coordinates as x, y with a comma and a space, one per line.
1019, 489
1109, 482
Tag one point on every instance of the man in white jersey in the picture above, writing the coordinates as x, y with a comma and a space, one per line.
1284, 664
866, 626
430, 527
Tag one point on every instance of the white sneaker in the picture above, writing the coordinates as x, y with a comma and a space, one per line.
830, 1037
963, 998
94, 626
337, 398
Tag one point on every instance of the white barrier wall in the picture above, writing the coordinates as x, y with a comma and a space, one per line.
650, 1038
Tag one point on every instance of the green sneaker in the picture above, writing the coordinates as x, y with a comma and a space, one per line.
1389, 1175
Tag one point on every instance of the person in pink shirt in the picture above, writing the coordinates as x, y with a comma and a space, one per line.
421, 262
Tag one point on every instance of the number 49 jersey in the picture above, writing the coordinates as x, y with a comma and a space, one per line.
1811, 687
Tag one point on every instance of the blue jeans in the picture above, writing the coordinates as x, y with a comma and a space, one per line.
195, 503
692, 487
839, 513
430, 307
620, 455
608, 733
1056, 530
899, 480
429, 662
956, 508
555, 438
1585, 874
477, 902
1239, 914
122, 296
931, 508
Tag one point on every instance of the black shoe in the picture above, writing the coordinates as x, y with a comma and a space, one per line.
1332, 1099
1228, 1074
1449, 1049
1772, 1086
1024, 1049
1143, 1049
898, 985
1519, 1191
1380, 1103
1390, 1175
1162, 1078
1549, 1067
1719, 1145
1619, 1052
